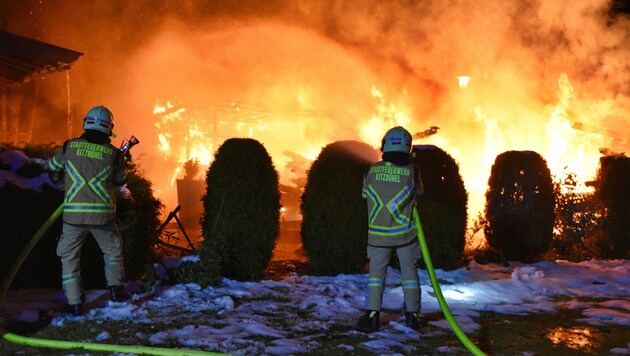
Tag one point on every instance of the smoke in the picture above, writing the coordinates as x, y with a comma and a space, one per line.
312, 66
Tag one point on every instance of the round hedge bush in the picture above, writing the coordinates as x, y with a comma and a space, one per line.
241, 216
520, 205
443, 206
612, 189
334, 225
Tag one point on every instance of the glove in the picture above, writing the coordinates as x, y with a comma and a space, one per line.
124, 192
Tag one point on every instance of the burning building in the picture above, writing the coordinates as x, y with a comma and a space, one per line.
492, 76
22, 59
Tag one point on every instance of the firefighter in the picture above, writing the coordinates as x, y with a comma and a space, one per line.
94, 173
390, 188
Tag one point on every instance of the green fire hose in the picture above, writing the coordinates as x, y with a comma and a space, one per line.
127, 349
61, 344
438, 292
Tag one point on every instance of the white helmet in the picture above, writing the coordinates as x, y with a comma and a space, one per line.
99, 118
397, 139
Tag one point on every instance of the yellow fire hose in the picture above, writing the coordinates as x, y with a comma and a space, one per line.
438, 292
61, 344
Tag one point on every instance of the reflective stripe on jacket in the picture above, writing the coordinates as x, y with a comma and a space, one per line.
92, 170
390, 191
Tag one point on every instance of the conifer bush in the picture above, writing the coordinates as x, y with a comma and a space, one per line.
138, 222
442, 207
612, 190
334, 225
520, 205
241, 216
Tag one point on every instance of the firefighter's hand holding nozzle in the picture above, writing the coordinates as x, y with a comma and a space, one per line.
125, 148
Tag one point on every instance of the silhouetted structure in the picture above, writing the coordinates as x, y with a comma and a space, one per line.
22, 57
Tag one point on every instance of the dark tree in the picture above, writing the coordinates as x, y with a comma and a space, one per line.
612, 190
443, 206
520, 205
334, 226
241, 210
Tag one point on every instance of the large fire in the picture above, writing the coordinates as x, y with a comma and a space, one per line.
297, 75
567, 149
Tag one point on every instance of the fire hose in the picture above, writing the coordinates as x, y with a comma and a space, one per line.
438, 292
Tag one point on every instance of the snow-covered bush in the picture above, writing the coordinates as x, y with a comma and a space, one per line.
443, 206
519, 205
240, 222
334, 225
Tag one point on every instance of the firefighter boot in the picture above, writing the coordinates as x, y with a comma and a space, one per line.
370, 321
118, 294
76, 309
411, 320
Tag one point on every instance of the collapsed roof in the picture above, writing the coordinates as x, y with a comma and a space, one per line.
22, 57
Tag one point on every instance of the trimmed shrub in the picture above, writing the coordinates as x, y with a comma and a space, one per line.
442, 207
334, 225
520, 205
240, 222
612, 189
138, 222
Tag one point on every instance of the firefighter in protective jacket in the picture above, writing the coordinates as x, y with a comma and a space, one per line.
390, 188
94, 172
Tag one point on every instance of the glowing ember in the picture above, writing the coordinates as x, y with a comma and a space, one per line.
575, 338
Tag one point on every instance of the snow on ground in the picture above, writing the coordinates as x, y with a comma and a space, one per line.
14, 160
246, 308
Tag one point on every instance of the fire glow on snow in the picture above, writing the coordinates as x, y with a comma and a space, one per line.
315, 304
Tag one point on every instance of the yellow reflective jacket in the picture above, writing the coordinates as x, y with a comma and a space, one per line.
390, 191
91, 172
